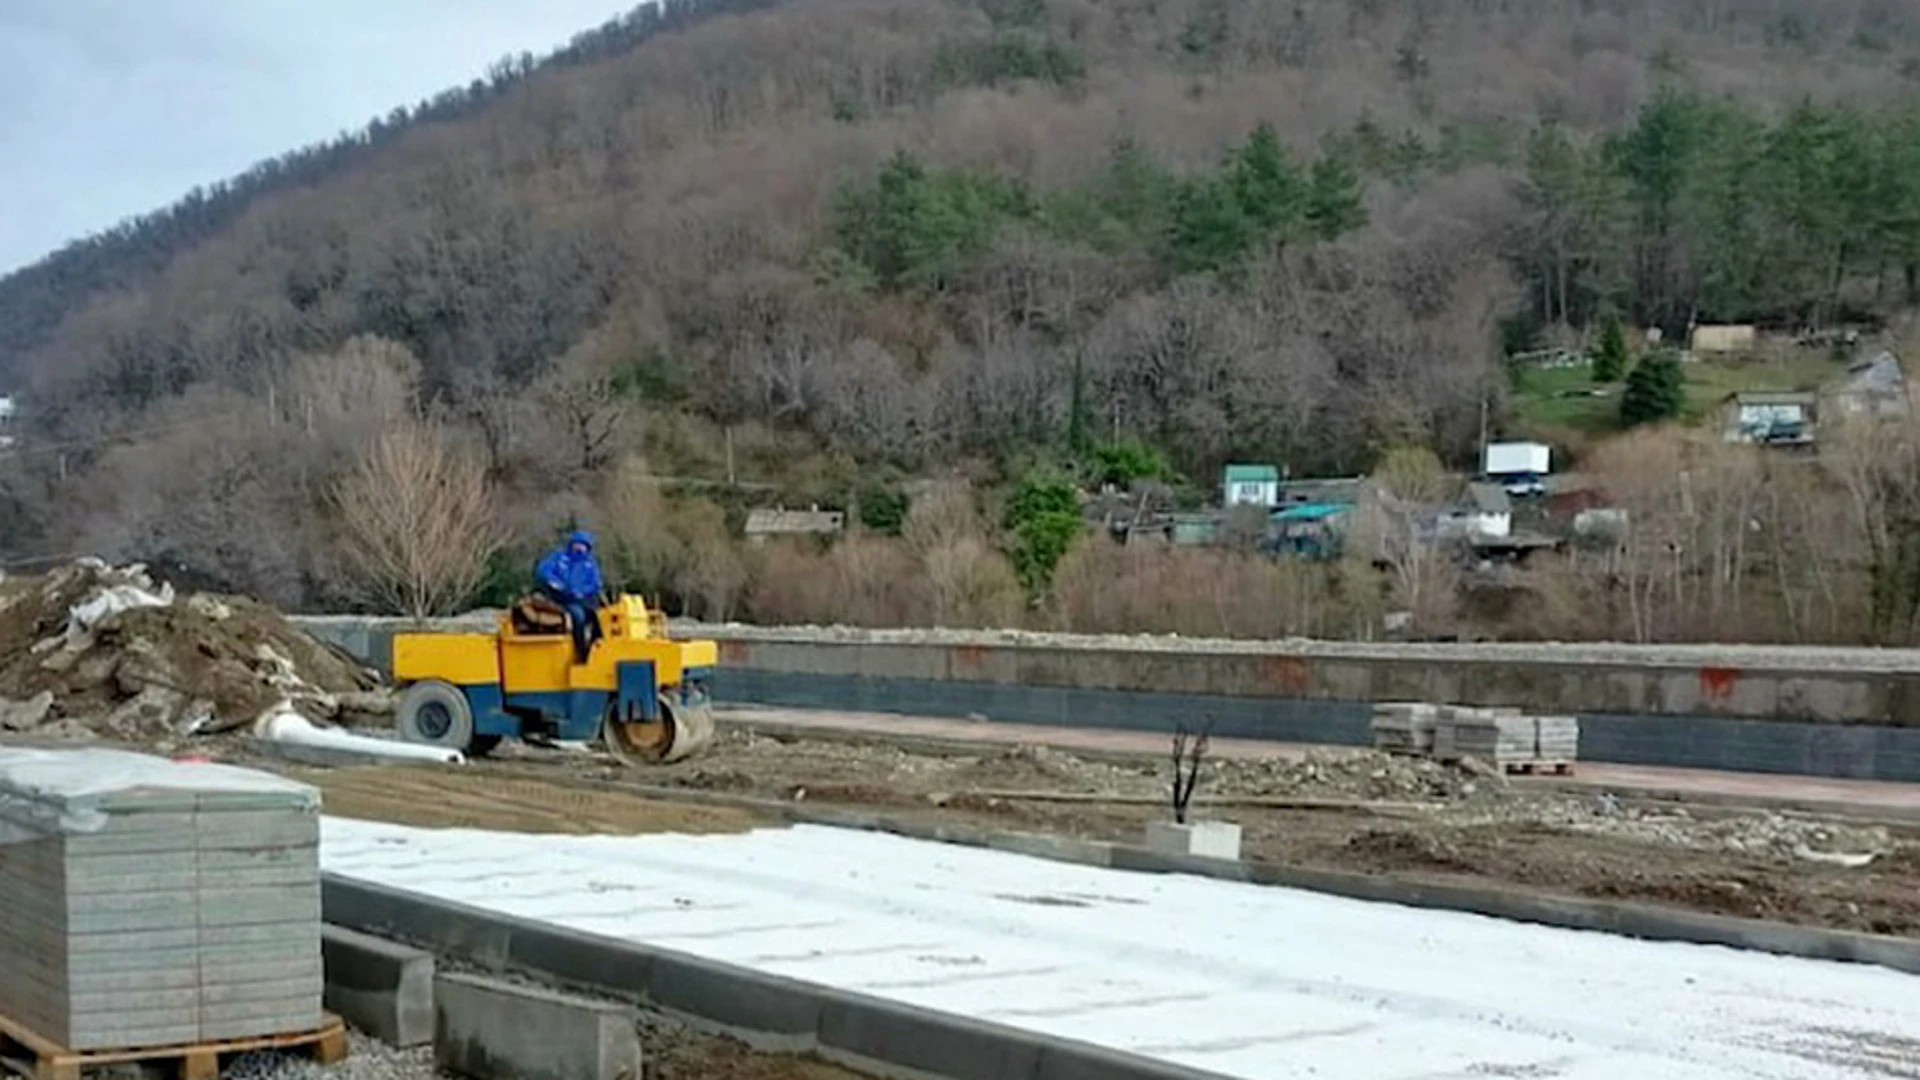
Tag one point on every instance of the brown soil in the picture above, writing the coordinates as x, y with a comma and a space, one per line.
459, 799
674, 1051
1474, 829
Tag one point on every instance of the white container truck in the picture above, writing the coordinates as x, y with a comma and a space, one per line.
1520, 467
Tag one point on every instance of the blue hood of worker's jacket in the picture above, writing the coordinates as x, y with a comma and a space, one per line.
570, 574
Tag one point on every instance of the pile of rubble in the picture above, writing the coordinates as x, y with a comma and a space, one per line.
1359, 774
1766, 834
94, 651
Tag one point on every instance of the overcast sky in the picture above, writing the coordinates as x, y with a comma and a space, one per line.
110, 108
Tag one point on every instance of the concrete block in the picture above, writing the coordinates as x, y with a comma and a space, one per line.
495, 1031
1207, 839
382, 988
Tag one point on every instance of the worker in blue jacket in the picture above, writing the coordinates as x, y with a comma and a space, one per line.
570, 577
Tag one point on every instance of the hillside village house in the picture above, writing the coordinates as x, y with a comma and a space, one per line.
1771, 417
1872, 387
1250, 485
764, 524
6, 421
1722, 340
1485, 511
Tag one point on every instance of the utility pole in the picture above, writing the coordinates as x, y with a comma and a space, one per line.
1483, 434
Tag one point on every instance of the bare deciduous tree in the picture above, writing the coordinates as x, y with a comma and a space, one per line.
417, 521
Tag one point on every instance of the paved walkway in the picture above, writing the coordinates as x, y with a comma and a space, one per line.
1825, 794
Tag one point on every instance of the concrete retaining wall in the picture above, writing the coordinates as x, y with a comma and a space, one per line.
1792, 712
872, 1034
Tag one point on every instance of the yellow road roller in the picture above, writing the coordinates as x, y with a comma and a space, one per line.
640, 691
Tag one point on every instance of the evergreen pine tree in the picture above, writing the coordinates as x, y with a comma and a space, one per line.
1656, 390
1611, 361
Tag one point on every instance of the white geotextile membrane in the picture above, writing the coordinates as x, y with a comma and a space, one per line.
59, 792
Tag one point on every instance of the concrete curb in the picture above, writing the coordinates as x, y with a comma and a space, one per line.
866, 1032
384, 989
1572, 913
498, 1031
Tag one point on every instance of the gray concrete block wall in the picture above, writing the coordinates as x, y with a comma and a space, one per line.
1857, 724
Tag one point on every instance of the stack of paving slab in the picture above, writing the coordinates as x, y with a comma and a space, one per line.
145, 902
1404, 727
1505, 737
1556, 738
1501, 736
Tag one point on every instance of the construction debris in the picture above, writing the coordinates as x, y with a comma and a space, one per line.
95, 651
290, 729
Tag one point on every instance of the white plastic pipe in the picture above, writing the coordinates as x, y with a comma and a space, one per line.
286, 726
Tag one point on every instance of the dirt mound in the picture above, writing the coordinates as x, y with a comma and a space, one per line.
90, 650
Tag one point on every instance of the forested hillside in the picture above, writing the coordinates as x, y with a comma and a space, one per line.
823, 247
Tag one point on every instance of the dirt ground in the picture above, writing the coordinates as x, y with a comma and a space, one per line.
1340, 810
438, 798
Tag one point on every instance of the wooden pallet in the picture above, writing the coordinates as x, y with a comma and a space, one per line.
41, 1058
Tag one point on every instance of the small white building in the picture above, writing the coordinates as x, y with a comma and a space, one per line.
1250, 485
6, 421
1485, 513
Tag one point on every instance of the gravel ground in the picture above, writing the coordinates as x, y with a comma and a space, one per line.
368, 1059
1785, 657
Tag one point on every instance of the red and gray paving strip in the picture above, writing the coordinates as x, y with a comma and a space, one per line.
1871, 798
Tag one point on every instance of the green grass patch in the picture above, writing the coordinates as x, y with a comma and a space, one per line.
1554, 402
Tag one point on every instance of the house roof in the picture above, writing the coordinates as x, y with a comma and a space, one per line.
1344, 489
1773, 397
1879, 375
787, 522
1253, 474
1489, 498
1310, 512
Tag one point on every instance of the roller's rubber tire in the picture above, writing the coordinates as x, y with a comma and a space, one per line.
679, 733
434, 713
